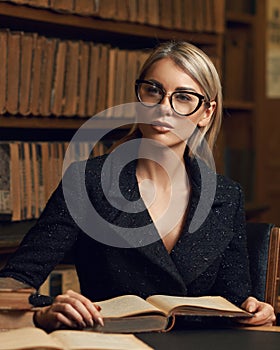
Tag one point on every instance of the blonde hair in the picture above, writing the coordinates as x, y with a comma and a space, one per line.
200, 68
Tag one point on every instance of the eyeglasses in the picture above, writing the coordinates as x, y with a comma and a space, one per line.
183, 102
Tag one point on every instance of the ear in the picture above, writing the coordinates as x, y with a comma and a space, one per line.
205, 119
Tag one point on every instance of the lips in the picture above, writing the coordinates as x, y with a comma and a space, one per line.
162, 125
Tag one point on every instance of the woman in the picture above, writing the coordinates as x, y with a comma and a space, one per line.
162, 244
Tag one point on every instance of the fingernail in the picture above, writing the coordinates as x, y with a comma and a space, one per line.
91, 323
98, 307
100, 321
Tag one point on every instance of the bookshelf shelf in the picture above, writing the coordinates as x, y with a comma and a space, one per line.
99, 24
60, 123
239, 18
239, 105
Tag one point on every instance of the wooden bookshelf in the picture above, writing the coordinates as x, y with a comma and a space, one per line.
240, 95
123, 34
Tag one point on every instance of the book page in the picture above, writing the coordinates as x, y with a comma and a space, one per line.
170, 303
126, 305
85, 340
26, 339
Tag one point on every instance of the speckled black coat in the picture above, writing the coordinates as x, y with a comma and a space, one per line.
210, 261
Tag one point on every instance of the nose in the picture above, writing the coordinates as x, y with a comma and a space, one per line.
166, 104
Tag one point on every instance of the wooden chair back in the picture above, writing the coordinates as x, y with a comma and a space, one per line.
264, 256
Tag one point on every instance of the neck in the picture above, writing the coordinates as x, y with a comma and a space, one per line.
161, 164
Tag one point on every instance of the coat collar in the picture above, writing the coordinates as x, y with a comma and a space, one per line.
195, 251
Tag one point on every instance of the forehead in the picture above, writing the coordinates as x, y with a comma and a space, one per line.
170, 75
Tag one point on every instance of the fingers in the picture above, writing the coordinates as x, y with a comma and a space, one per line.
263, 313
78, 308
72, 310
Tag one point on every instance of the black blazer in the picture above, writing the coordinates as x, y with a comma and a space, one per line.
212, 260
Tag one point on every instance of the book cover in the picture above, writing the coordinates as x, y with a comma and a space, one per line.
83, 79
5, 178
130, 313
37, 75
58, 99
71, 78
92, 83
47, 74
28, 338
85, 7
3, 70
13, 72
26, 61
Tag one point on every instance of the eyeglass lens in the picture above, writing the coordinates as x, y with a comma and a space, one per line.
182, 102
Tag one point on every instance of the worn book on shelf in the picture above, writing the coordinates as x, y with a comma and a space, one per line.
28, 41
121, 10
37, 75
83, 79
92, 79
30, 338
59, 78
3, 70
5, 180
102, 79
107, 9
132, 10
166, 13
153, 12
85, 7
71, 78
130, 313
47, 73
142, 9
13, 72
16, 191
62, 5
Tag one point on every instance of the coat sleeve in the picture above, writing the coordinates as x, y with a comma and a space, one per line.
46, 244
234, 275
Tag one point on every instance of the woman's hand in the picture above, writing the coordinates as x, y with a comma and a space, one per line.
71, 310
263, 313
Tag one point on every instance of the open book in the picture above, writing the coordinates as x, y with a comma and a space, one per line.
130, 313
30, 338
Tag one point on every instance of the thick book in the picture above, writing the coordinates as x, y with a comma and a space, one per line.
28, 41
13, 72
3, 71
131, 313
14, 295
29, 338
16, 311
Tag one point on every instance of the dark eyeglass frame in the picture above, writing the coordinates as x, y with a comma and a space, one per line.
201, 98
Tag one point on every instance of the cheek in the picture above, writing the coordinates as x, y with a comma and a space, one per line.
184, 128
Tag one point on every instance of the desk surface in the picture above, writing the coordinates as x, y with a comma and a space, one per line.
213, 339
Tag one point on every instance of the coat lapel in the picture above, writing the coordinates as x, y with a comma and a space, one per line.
196, 251
141, 233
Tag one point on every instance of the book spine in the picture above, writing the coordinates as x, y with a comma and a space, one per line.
3, 70
5, 178
13, 72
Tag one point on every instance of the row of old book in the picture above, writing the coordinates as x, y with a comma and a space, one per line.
43, 76
199, 15
30, 171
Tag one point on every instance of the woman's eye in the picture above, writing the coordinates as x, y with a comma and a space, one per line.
183, 97
153, 90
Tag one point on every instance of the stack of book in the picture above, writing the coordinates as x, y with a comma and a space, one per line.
44, 76
30, 171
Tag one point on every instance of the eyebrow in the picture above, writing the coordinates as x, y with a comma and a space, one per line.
179, 88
